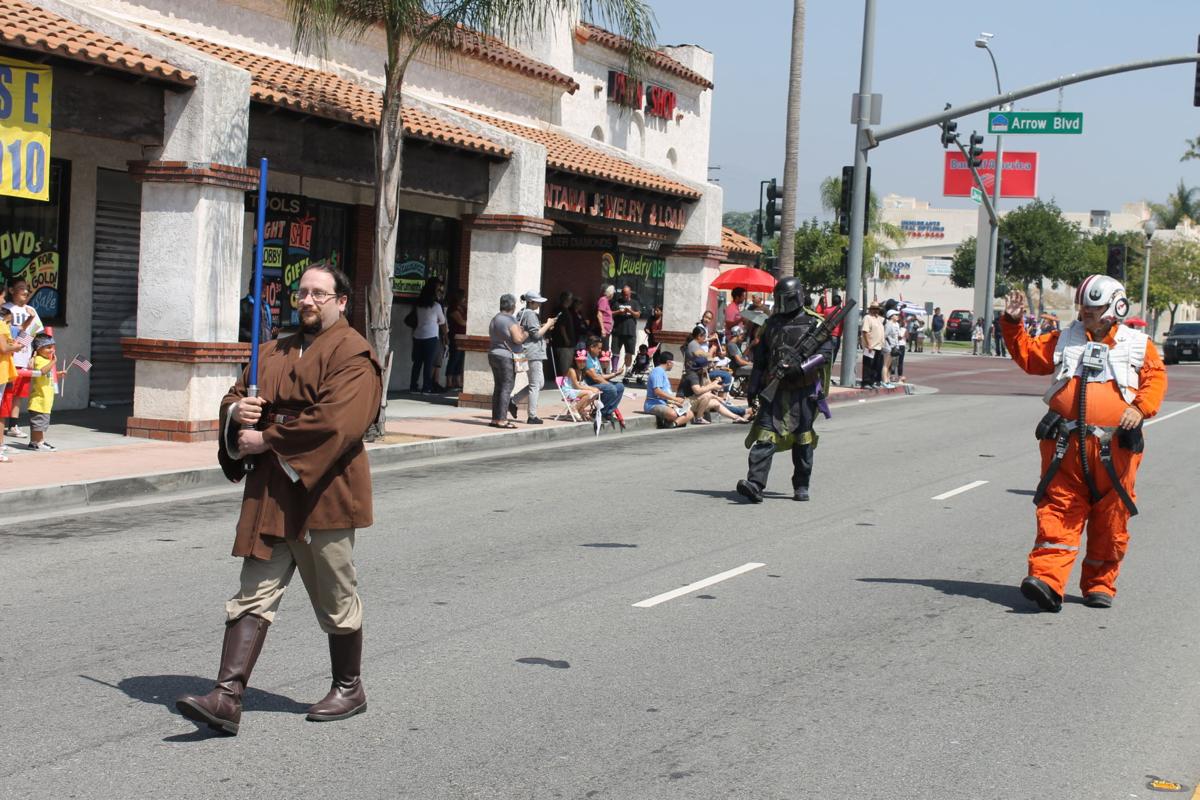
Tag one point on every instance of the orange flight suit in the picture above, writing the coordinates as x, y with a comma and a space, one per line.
1067, 504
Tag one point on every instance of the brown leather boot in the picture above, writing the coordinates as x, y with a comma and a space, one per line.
346, 697
221, 709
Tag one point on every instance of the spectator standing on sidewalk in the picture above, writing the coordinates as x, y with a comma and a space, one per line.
43, 386
936, 326
626, 312
25, 319
998, 337
8, 373
871, 337
431, 328
891, 345
267, 330
653, 326
733, 311
457, 319
899, 351
669, 410
305, 499
977, 338
914, 334
535, 351
507, 346
564, 338
604, 316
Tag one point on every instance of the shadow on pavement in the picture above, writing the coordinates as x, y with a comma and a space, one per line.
1005, 595
162, 690
731, 495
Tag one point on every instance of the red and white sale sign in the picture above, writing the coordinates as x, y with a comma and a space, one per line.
1020, 175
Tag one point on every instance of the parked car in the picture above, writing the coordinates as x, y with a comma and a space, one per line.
1182, 343
958, 325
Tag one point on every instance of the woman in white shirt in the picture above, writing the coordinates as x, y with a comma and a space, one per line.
429, 331
891, 340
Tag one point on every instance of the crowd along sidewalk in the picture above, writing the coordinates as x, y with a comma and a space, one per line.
96, 464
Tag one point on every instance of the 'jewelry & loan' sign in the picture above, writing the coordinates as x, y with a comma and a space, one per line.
617, 207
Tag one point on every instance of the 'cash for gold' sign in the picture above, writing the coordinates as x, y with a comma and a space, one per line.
25, 91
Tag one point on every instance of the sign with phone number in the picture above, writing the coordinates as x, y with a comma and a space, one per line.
25, 92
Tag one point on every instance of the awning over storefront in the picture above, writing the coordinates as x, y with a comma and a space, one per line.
323, 94
27, 27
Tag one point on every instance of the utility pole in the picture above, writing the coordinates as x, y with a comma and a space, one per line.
786, 265
863, 108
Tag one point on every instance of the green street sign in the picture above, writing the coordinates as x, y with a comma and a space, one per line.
976, 195
1035, 122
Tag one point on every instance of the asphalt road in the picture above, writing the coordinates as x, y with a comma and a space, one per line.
882, 649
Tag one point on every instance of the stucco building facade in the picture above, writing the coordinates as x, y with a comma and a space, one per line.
533, 164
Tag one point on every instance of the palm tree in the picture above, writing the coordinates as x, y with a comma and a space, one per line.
791, 147
1180, 204
413, 27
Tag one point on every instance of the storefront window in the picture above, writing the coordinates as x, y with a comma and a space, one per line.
299, 231
645, 274
33, 244
426, 249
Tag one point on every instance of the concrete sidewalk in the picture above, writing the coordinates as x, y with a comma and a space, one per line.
96, 464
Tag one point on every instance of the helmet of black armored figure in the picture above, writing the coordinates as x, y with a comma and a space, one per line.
1102, 291
789, 295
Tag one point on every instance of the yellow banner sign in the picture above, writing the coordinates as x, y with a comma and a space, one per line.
25, 91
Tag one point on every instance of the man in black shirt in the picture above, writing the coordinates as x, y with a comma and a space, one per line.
626, 311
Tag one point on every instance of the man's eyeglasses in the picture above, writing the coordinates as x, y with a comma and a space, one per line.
318, 296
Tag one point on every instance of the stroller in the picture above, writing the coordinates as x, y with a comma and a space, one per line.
639, 370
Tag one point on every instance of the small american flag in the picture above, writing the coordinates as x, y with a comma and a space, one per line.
24, 338
82, 363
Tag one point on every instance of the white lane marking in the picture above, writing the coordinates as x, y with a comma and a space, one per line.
959, 490
1172, 414
692, 587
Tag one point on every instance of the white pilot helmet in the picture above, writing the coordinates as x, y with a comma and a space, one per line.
1103, 291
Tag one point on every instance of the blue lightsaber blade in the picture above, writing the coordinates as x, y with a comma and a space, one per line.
256, 324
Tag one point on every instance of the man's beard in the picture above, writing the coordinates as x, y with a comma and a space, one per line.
310, 324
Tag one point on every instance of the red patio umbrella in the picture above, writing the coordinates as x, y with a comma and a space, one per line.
749, 278
1136, 322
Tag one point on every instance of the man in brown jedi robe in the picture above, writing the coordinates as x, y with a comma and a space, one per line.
308, 491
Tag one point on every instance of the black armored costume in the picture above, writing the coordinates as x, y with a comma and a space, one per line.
785, 419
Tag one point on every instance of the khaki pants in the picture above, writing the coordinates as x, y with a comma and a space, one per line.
326, 565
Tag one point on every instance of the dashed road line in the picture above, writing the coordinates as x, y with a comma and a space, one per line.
1172, 414
692, 587
959, 490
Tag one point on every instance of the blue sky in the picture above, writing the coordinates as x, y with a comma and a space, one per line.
1134, 124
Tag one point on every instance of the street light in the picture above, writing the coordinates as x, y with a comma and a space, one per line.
1149, 227
990, 292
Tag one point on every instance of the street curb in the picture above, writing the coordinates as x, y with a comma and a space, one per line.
163, 485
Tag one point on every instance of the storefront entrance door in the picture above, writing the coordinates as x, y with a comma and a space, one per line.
114, 286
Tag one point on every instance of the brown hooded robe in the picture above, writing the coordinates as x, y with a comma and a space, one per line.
320, 401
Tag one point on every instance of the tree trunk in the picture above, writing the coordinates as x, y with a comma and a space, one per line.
791, 147
389, 152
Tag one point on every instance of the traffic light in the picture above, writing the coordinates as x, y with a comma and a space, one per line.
844, 205
773, 218
975, 151
949, 133
1008, 254
844, 209
1116, 261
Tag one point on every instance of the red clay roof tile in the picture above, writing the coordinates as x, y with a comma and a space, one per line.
620, 44
566, 154
488, 48
27, 27
734, 242
324, 94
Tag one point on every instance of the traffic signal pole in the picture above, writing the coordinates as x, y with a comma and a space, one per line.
858, 200
867, 138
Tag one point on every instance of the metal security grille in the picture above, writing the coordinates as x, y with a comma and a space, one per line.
114, 287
